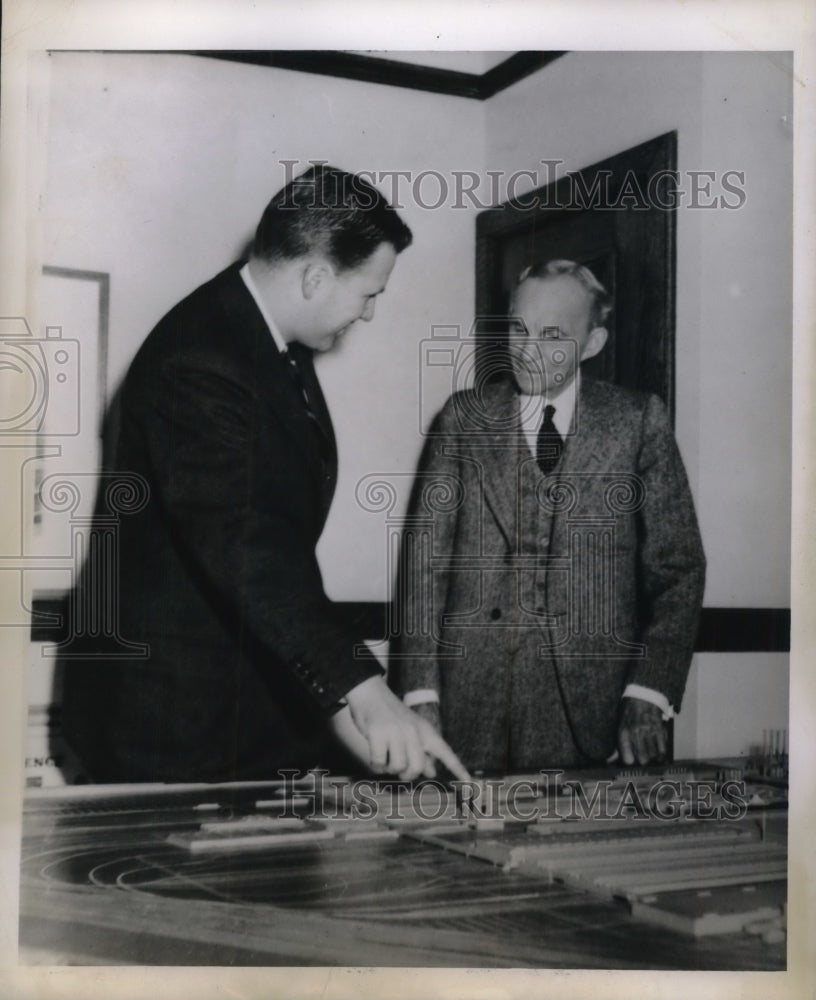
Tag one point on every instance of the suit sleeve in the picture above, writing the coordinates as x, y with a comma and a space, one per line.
421, 594
216, 466
671, 563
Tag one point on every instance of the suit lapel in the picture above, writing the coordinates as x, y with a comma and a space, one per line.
499, 447
584, 445
584, 465
501, 453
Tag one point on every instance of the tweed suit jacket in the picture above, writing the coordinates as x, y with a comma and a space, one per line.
534, 591
218, 575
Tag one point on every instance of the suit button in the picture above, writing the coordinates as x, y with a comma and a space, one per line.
495, 614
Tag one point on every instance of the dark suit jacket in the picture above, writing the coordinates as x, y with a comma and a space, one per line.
509, 625
218, 571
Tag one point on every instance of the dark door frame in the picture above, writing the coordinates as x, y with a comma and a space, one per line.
630, 200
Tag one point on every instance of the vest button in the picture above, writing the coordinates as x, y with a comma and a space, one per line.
495, 614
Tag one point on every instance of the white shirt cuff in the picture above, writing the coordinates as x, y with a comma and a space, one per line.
649, 694
422, 696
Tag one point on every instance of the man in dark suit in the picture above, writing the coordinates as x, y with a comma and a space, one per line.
553, 570
248, 667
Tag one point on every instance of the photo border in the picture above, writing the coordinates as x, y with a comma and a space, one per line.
696, 24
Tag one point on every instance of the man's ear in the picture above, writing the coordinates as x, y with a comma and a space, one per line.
314, 278
595, 342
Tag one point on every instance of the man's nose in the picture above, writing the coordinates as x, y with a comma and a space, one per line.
368, 311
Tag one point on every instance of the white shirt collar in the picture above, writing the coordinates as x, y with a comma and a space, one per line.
259, 302
531, 410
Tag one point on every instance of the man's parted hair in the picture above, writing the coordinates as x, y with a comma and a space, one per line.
601, 299
330, 213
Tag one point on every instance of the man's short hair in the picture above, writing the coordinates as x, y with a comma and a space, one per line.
331, 213
601, 299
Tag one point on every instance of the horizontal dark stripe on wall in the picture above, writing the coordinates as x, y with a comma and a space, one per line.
722, 630
744, 630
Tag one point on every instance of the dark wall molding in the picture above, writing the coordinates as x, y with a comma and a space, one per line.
744, 630
375, 68
392, 72
722, 630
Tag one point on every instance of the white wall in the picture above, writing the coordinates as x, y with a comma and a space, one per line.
746, 332
730, 699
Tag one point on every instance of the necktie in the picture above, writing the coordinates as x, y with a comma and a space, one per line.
297, 375
549, 444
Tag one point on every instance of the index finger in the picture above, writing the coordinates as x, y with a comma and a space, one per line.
625, 747
378, 751
435, 745
660, 737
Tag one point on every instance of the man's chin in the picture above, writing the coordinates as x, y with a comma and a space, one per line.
328, 342
334, 338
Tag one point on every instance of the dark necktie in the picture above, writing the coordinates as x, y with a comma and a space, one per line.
295, 363
549, 444
297, 375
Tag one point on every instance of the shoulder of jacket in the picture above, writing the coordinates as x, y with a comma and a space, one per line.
617, 397
207, 331
223, 289
207, 308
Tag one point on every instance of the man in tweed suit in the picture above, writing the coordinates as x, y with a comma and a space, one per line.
552, 568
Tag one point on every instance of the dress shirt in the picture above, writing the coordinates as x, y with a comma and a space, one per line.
531, 411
